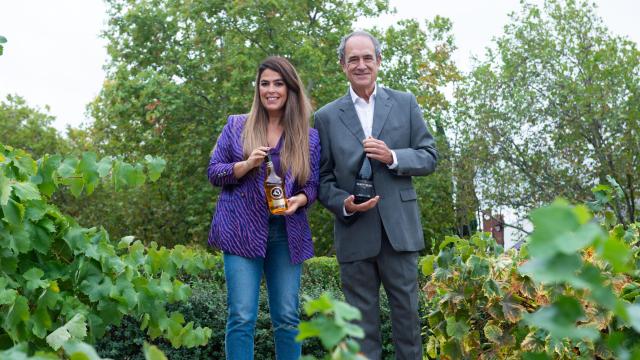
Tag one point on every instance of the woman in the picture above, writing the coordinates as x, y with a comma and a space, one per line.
253, 241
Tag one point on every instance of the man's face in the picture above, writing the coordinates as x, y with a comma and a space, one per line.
360, 63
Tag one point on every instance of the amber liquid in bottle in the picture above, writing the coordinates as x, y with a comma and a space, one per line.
274, 188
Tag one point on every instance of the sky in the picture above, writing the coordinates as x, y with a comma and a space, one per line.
54, 55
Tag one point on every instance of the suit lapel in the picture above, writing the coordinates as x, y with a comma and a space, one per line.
349, 117
381, 111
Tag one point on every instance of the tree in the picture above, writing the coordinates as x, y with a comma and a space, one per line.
177, 70
553, 110
29, 128
3, 40
418, 60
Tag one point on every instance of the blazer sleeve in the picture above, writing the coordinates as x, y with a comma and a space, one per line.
329, 194
220, 171
421, 158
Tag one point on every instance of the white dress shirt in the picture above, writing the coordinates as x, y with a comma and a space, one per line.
364, 109
365, 114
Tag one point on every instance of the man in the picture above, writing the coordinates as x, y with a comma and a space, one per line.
376, 241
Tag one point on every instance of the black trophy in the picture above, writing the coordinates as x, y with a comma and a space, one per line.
363, 189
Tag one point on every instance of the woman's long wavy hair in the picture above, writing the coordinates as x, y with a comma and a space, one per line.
294, 154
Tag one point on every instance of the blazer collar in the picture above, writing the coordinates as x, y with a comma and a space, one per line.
349, 116
381, 111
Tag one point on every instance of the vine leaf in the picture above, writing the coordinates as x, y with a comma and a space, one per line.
76, 329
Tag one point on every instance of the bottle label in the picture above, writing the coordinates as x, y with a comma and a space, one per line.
278, 203
276, 193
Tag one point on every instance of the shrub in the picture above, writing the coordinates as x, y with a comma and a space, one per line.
61, 282
207, 307
570, 293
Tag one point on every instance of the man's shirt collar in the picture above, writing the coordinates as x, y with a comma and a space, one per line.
355, 96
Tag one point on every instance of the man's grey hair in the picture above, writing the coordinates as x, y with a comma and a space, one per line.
343, 43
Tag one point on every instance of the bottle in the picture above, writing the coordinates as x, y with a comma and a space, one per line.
274, 189
363, 189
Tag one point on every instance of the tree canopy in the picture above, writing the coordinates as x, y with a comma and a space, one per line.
553, 110
177, 70
28, 127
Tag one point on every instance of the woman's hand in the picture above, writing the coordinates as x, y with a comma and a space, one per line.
241, 168
295, 202
257, 156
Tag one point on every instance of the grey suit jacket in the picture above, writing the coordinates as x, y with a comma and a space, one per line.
397, 120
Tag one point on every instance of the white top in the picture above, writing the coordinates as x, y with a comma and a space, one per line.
365, 114
365, 109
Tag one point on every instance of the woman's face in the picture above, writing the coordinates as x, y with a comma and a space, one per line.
273, 92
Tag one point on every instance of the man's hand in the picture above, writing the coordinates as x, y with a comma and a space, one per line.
295, 202
377, 150
352, 207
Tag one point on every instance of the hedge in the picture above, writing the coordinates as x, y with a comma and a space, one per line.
207, 307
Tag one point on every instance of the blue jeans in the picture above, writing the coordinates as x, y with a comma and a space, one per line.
243, 277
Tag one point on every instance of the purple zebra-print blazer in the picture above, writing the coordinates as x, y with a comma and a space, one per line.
241, 220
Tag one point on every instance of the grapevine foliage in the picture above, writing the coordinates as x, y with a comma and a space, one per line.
62, 283
573, 291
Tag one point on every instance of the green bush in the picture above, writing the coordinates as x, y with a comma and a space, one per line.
62, 283
570, 293
207, 307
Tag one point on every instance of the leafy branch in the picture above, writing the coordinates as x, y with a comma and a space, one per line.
62, 282
333, 327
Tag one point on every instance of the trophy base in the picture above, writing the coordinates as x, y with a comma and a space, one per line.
363, 191
360, 199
